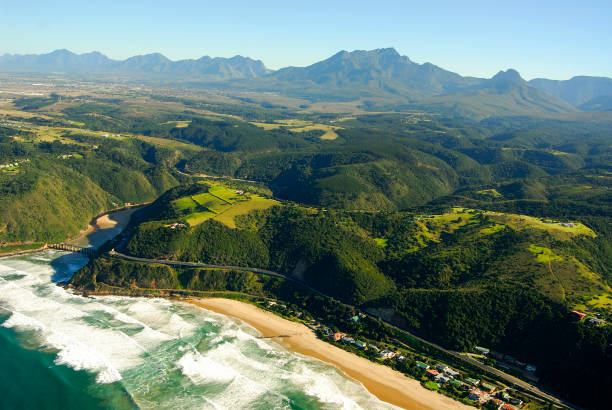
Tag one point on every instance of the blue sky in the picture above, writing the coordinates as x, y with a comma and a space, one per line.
539, 38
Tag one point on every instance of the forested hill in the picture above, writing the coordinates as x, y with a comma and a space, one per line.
56, 188
459, 276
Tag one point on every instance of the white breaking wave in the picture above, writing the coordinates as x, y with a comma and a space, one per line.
165, 354
70, 352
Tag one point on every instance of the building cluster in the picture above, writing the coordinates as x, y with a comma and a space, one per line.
592, 320
176, 225
13, 164
478, 391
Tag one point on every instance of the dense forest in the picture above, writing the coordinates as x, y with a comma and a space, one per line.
59, 186
424, 217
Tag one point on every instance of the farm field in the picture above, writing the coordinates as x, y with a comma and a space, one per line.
301, 126
220, 203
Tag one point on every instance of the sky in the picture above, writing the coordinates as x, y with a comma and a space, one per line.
539, 38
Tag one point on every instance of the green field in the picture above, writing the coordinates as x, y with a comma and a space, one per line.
220, 203
492, 229
329, 131
543, 254
561, 231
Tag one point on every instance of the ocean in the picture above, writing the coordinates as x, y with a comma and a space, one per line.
60, 350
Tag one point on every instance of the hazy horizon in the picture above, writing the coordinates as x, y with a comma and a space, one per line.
556, 40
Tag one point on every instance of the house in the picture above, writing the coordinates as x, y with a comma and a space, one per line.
348, 340
578, 315
482, 350
530, 368
473, 382
374, 349
386, 354
337, 336
489, 388
595, 321
355, 319
401, 359
515, 401
476, 395
504, 396
432, 372
440, 367
422, 365
442, 378
505, 406
451, 372
239, 192
360, 344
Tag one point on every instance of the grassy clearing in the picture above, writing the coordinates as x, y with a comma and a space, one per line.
490, 192
293, 123
601, 301
560, 230
492, 229
197, 218
543, 254
329, 131
255, 202
220, 203
178, 124
24, 114
382, 242
168, 143
267, 126
185, 204
211, 202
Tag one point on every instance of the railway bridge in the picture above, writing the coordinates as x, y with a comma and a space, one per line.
72, 248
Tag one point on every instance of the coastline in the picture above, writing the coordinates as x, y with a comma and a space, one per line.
23, 252
383, 382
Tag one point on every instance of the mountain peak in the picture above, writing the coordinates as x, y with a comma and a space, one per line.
508, 75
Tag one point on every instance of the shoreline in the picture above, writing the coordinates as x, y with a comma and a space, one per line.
383, 382
103, 222
23, 252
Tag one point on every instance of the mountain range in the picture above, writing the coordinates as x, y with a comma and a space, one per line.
156, 63
382, 78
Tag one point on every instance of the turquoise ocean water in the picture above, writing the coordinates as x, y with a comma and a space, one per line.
59, 350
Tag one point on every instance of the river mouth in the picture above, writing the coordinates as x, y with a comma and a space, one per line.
104, 228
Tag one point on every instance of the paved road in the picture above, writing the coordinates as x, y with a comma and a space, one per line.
487, 369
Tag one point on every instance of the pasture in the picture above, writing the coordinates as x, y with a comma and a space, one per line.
220, 203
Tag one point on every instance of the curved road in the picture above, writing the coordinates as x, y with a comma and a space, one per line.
488, 369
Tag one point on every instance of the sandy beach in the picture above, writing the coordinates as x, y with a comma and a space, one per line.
382, 381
